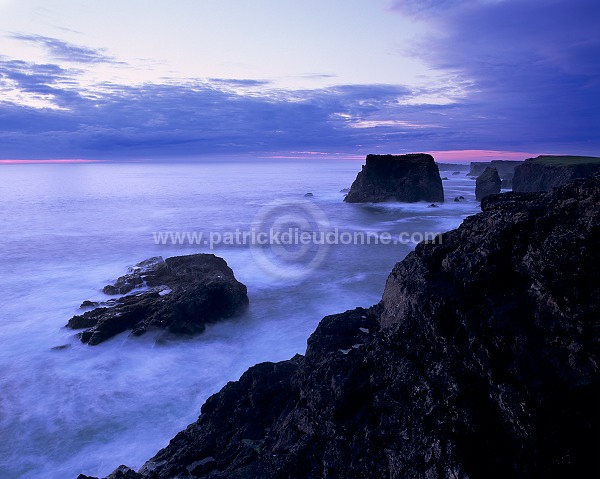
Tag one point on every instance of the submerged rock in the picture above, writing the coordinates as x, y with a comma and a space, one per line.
186, 293
481, 360
488, 183
89, 304
546, 172
405, 178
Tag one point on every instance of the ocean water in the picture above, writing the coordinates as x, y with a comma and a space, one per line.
67, 230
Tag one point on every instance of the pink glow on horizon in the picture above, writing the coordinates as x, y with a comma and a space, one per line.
456, 156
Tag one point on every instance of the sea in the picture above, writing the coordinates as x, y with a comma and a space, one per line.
66, 230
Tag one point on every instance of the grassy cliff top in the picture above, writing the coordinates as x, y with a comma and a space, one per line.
564, 160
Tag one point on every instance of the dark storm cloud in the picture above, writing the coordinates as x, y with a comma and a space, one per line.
60, 50
40, 79
533, 67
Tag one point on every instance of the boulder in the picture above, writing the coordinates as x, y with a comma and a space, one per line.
546, 172
481, 360
404, 178
488, 183
185, 293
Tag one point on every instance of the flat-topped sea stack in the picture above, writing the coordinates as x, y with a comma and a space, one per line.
488, 183
546, 172
405, 178
181, 295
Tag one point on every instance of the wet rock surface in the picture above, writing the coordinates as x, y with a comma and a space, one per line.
404, 178
481, 360
184, 294
488, 183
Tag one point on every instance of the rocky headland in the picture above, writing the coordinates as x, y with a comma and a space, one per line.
481, 360
546, 172
182, 295
488, 183
405, 178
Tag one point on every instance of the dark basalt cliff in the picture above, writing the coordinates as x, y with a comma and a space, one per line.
185, 293
488, 183
546, 172
405, 178
481, 360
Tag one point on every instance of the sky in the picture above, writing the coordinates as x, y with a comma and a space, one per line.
186, 79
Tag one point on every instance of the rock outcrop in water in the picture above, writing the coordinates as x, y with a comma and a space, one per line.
185, 293
405, 178
488, 183
481, 360
546, 172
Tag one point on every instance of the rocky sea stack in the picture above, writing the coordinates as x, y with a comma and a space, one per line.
488, 183
481, 360
546, 172
184, 294
404, 178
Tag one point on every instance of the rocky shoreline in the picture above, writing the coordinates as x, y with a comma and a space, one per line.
406, 178
481, 360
